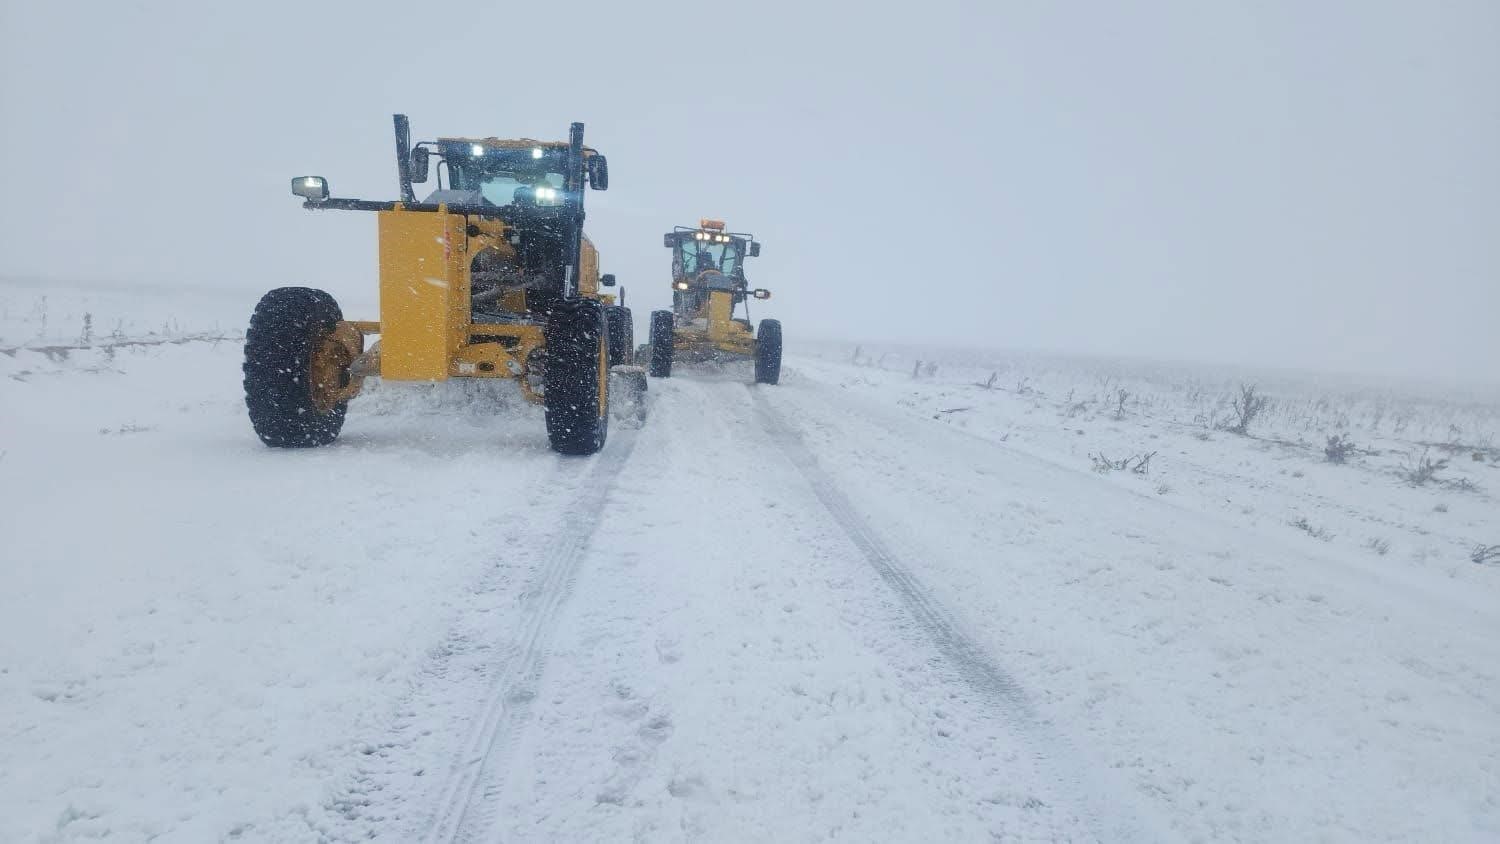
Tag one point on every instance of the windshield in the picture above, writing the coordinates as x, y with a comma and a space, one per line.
508, 176
698, 256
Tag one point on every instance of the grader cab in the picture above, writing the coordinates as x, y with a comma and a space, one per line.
489, 276
709, 289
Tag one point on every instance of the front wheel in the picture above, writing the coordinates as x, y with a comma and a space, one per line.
661, 344
296, 370
768, 352
576, 395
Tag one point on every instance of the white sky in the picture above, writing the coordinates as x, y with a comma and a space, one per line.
1312, 185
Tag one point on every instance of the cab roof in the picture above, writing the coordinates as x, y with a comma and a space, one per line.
514, 143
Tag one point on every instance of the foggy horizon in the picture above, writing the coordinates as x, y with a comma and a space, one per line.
1310, 188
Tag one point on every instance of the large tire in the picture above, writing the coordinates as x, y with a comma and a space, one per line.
621, 336
576, 377
289, 323
768, 352
661, 344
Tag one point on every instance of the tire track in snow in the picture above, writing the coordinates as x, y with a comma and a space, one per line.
1051, 750
466, 811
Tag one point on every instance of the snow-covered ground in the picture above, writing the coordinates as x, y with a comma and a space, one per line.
858, 605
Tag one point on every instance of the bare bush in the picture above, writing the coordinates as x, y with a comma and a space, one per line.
1249, 405
1485, 554
1139, 464
1479, 451
1338, 449
1418, 470
1120, 397
1307, 527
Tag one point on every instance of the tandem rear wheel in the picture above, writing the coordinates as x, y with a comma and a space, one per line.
661, 344
576, 377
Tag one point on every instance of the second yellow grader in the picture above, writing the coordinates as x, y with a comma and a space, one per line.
708, 285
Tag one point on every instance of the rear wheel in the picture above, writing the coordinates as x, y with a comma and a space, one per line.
296, 369
576, 397
661, 344
621, 336
768, 352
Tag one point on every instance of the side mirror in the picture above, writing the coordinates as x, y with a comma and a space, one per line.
419, 164
669, 240
761, 293
598, 172
755, 249
403, 156
608, 279
310, 188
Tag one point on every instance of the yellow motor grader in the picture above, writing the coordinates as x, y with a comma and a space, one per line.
708, 284
489, 276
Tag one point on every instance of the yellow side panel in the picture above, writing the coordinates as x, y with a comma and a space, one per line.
723, 332
588, 270
720, 311
423, 294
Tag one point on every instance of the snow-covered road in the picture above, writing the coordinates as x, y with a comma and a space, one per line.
791, 613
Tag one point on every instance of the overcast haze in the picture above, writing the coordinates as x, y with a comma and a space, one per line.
1293, 184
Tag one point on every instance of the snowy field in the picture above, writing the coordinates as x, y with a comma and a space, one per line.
907, 595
